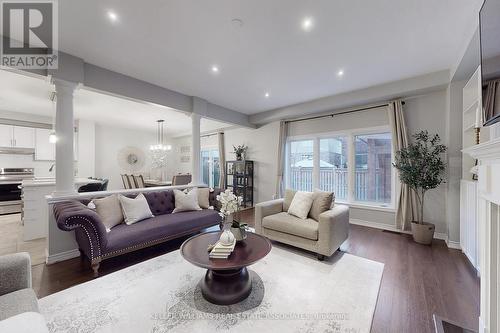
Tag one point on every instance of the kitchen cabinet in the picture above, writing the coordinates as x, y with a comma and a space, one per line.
17, 136
24, 137
6, 135
44, 150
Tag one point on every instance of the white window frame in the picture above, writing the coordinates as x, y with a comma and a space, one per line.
350, 134
287, 152
209, 148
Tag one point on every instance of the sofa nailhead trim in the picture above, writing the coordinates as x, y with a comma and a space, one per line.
159, 240
74, 226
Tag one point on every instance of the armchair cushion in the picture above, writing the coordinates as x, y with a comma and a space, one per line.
289, 194
15, 272
301, 204
286, 223
321, 203
17, 302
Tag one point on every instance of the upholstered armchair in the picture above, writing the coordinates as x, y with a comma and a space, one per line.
18, 302
322, 237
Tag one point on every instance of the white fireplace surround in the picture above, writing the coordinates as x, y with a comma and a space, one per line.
488, 210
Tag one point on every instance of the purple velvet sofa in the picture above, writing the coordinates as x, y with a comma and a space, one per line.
97, 244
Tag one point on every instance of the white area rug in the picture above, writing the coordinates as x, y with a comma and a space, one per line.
292, 292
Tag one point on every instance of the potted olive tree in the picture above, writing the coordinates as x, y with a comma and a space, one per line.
422, 168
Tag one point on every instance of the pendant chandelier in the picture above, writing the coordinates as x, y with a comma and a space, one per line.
160, 144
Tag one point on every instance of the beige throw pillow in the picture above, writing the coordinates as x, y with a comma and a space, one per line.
321, 203
203, 197
185, 202
135, 210
301, 204
289, 194
109, 210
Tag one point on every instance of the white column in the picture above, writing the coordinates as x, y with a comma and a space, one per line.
64, 126
195, 149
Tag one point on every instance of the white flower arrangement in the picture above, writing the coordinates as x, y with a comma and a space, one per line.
229, 203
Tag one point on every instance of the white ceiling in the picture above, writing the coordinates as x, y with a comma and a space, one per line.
174, 43
30, 95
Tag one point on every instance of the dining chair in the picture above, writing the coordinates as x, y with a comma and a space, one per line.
126, 182
131, 180
139, 181
181, 179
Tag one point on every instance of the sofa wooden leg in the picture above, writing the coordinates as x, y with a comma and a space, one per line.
95, 267
321, 257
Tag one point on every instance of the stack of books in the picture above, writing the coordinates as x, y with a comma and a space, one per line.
221, 251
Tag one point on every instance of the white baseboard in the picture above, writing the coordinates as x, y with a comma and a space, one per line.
52, 259
388, 227
482, 328
453, 245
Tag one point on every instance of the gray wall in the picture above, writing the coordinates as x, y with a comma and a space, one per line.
361, 119
429, 112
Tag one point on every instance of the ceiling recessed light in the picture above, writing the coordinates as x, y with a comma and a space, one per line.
237, 23
340, 73
113, 17
307, 23
215, 69
266, 95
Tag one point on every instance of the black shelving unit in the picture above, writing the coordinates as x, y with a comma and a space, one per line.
239, 179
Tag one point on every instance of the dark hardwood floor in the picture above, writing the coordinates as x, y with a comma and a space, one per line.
418, 280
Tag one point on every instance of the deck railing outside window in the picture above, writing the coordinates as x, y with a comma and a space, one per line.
336, 180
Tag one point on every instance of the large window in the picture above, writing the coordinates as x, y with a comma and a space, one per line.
210, 166
356, 166
373, 181
333, 175
300, 165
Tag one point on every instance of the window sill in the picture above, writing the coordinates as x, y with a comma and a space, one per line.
368, 206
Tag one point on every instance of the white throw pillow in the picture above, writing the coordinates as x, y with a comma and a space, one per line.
301, 204
185, 202
204, 197
109, 210
135, 210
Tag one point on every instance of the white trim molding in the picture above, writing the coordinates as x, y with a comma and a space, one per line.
453, 245
488, 215
52, 259
388, 227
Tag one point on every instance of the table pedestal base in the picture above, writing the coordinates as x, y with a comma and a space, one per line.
227, 286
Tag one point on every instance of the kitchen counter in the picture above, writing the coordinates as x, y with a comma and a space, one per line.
35, 216
52, 181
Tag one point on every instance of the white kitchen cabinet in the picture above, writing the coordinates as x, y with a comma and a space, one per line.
6, 135
44, 150
24, 137
17, 136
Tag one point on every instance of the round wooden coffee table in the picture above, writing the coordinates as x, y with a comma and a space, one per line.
227, 280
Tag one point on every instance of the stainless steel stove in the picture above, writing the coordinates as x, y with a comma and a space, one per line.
10, 188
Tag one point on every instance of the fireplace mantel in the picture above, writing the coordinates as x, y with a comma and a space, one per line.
487, 152
488, 156
488, 217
